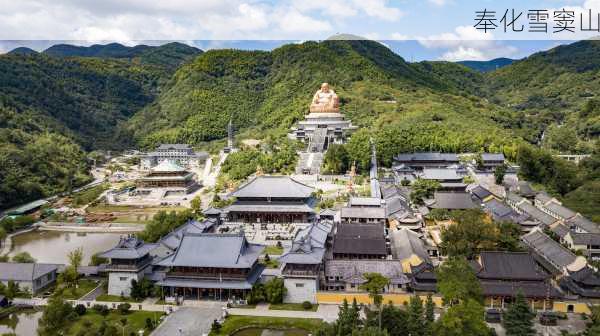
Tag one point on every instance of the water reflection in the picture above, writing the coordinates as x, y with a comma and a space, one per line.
53, 247
21, 323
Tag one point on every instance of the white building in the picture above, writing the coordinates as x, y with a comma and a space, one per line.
129, 260
181, 154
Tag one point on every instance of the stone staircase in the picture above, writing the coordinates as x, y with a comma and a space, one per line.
309, 163
317, 141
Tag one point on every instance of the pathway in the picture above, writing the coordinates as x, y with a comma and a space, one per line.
326, 312
187, 321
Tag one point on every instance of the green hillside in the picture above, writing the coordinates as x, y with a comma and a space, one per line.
555, 87
416, 106
34, 161
169, 55
51, 107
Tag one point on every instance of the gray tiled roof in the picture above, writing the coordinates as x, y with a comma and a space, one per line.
543, 197
269, 207
129, 248
480, 192
452, 201
585, 238
216, 283
214, 250
440, 174
273, 186
427, 156
502, 265
530, 289
405, 243
378, 213
548, 249
560, 230
308, 246
536, 213
492, 157
360, 239
560, 210
583, 224
25, 271
172, 239
364, 201
352, 271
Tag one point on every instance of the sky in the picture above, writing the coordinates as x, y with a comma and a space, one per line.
417, 30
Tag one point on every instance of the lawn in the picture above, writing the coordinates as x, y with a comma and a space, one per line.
84, 287
235, 322
292, 306
115, 298
136, 320
273, 250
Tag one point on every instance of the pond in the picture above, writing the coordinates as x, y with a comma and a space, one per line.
53, 246
271, 332
24, 322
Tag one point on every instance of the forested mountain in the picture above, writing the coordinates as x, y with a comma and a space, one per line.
113, 96
558, 87
169, 55
22, 51
414, 106
485, 66
51, 108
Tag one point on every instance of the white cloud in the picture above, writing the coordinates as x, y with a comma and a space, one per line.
129, 20
439, 2
467, 43
379, 9
399, 37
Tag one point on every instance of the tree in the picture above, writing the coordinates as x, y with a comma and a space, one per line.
499, 173
429, 316
257, 294
518, 319
196, 205
456, 281
275, 290
96, 260
12, 289
375, 285
55, 316
416, 320
75, 257
124, 308
69, 277
394, 320
423, 189
465, 318
23, 257
359, 149
471, 233
141, 289
348, 318
508, 237
336, 160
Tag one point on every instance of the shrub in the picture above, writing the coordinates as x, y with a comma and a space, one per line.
101, 309
149, 324
306, 305
124, 308
215, 327
80, 309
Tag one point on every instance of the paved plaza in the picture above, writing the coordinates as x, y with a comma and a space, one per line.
190, 321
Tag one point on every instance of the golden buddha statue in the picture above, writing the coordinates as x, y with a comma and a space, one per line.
325, 100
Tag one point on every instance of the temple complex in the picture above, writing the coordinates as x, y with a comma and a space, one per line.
272, 199
323, 126
168, 175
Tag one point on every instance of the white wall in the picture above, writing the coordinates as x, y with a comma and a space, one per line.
300, 290
119, 283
